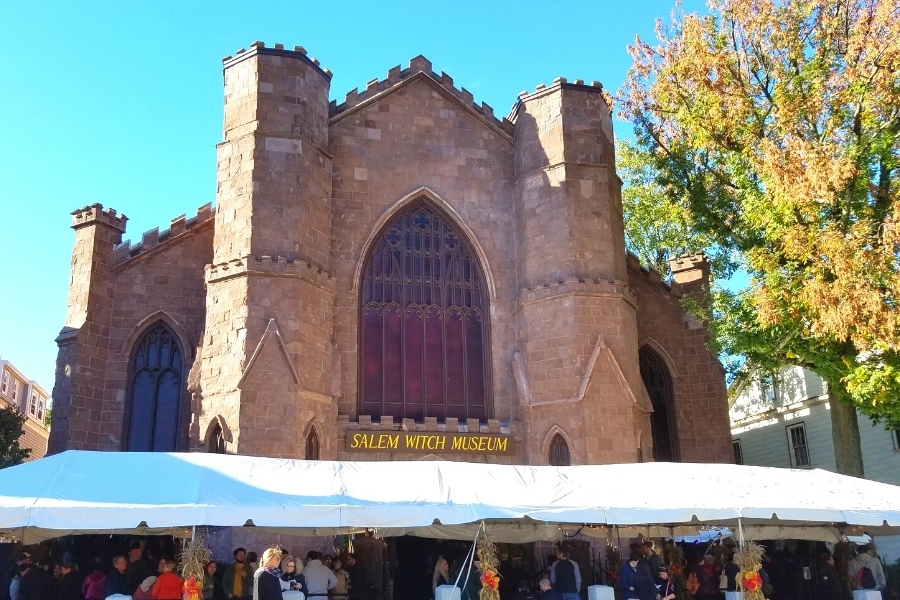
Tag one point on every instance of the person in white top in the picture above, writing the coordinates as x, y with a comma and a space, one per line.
319, 578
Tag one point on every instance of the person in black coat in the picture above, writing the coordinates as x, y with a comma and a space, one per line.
69, 583
267, 581
116, 580
830, 587
37, 584
547, 591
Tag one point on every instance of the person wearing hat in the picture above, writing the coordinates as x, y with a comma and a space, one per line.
23, 559
668, 588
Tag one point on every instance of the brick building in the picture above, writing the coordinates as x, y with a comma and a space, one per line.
29, 398
382, 274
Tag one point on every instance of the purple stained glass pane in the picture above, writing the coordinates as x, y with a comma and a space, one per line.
434, 363
455, 364
372, 367
475, 392
393, 357
413, 364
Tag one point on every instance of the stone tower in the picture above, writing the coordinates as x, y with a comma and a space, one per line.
84, 340
266, 348
576, 320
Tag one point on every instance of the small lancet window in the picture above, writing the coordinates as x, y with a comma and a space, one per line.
559, 452
312, 445
217, 440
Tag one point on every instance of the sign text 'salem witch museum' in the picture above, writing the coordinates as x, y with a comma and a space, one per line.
393, 275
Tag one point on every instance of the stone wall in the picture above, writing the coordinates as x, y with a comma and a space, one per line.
422, 141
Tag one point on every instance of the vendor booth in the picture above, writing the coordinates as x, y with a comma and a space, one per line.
142, 493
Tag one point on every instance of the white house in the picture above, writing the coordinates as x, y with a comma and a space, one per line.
783, 419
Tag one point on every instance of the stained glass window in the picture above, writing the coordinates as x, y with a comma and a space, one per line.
155, 392
424, 332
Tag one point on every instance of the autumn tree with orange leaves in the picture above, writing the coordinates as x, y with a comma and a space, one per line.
776, 125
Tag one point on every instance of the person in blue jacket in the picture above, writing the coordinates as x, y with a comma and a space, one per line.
627, 574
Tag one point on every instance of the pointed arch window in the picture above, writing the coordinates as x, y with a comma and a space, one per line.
217, 440
312, 445
156, 380
559, 452
658, 381
424, 332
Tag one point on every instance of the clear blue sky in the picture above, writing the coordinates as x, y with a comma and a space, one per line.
121, 103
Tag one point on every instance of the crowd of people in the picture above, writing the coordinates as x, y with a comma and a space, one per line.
645, 576
277, 573
143, 576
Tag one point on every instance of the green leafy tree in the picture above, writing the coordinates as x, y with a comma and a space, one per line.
12, 423
776, 125
658, 228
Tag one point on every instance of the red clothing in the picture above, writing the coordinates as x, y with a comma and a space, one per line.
169, 586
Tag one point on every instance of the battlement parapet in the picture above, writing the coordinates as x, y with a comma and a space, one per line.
259, 48
429, 424
578, 285
689, 261
95, 213
558, 83
151, 239
653, 276
270, 265
418, 65
690, 269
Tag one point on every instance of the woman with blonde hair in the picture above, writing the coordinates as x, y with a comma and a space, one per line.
266, 583
441, 575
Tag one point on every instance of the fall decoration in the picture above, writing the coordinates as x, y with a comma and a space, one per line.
192, 562
192, 589
749, 559
490, 578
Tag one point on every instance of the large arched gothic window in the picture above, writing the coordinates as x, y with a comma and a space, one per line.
559, 452
658, 382
155, 391
424, 334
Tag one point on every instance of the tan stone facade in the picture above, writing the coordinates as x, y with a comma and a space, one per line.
263, 292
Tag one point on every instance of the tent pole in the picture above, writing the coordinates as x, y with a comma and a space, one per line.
741, 542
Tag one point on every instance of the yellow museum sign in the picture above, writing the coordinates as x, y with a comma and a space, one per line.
435, 442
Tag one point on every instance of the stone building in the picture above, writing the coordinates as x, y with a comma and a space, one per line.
397, 275
28, 397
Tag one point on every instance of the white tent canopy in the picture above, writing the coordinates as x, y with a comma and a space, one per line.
79, 491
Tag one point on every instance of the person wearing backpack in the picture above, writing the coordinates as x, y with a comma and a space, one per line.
866, 570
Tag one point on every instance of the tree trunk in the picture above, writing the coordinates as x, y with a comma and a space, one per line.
845, 432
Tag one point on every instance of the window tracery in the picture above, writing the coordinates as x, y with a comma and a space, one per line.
424, 331
155, 392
